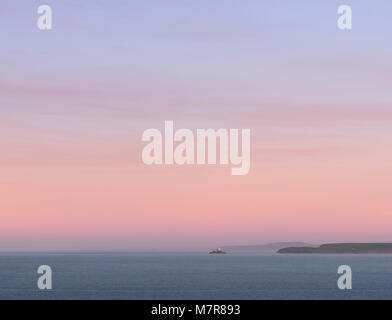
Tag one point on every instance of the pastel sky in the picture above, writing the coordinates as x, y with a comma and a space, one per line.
74, 102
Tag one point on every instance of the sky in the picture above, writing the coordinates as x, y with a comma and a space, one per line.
75, 100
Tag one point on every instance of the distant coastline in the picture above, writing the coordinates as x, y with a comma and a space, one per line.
264, 248
342, 248
269, 248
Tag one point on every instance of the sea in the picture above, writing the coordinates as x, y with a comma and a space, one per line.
194, 276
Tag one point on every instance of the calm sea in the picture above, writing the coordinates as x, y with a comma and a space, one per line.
194, 276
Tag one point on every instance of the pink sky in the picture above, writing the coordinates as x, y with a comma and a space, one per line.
74, 104
314, 177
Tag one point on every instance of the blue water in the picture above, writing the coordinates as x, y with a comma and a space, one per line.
194, 276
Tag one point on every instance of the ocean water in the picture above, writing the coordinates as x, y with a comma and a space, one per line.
195, 276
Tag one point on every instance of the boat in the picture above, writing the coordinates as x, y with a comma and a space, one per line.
218, 251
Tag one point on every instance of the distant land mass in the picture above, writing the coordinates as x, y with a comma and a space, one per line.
341, 248
264, 248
